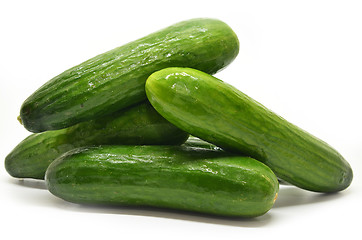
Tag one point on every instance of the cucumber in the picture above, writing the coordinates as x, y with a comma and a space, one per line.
176, 177
116, 79
139, 124
214, 111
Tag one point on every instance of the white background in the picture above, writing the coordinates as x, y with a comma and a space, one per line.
302, 59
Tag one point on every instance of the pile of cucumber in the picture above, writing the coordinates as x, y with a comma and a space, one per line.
146, 124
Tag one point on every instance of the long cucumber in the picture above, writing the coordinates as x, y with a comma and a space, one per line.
177, 177
139, 124
215, 111
116, 79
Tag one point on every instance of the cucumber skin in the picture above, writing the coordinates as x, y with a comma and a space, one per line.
176, 177
139, 124
210, 109
115, 79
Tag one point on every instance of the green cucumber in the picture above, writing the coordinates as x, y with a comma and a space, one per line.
116, 79
212, 110
176, 177
139, 124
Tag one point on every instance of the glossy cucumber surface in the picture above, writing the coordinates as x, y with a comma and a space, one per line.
139, 124
177, 177
197, 142
215, 111
116, 79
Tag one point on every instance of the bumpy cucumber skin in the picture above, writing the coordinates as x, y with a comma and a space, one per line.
176, 177
215, 111
139, 124
116, 79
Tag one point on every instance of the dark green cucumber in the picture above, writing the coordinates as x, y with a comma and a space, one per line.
176, 177
139, 124
116, 79
210, 109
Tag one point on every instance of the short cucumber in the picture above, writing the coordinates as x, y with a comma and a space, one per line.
177, 177
210, 109
139, 124
116, 79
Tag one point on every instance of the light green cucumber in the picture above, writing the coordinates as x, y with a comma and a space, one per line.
217, 112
